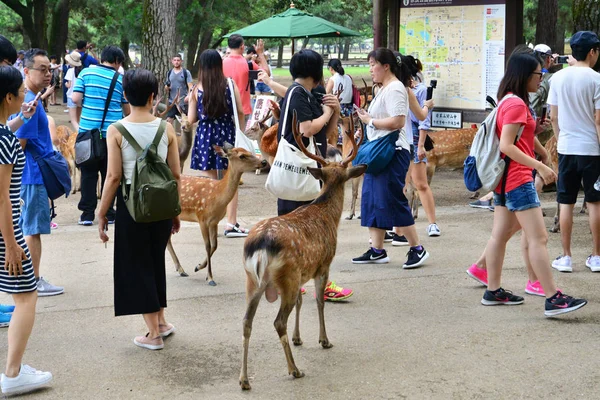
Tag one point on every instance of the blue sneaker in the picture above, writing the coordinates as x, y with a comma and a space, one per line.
6, 308
4, 320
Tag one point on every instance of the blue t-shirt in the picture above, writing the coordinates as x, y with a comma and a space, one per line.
38, 138
87, 59
420, 92
94, 83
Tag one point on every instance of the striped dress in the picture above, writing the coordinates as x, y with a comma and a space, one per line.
11, 153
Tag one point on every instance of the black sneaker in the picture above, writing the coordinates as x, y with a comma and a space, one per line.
501, 297
415, 258
370, 257
389, 236
561, 304
399, 240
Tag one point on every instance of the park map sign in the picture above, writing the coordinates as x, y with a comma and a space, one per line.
461, 43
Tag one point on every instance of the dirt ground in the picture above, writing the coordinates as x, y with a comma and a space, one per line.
415, 334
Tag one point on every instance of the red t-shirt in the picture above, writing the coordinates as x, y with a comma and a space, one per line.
236, 67
515, 111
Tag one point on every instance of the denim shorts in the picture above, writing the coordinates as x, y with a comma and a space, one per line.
35, 211
415, 130
521, 198
70, 103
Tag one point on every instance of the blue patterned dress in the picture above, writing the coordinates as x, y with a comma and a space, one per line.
212, 131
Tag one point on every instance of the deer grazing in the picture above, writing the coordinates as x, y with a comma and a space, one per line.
283, 253
205, 201
450, 150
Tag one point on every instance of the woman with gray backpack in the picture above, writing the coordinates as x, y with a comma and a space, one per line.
142, 156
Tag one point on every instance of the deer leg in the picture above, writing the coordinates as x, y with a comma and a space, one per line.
178, 266
296, 338
248, 318
206, 238
556, 227
288, 300
320, 283
213, 248
355, 184
584, 208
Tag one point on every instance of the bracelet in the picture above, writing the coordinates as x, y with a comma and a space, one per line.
24, 118
371, 124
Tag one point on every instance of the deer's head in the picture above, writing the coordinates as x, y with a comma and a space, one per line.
239, 159
332, 173
258, 128
183, 119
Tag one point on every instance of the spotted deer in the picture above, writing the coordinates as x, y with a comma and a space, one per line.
450, 150
283, 253
205, 201
66, 145
256, 132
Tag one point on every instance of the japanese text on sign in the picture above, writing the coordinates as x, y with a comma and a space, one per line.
446, 119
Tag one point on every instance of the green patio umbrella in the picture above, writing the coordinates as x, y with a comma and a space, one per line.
294, 23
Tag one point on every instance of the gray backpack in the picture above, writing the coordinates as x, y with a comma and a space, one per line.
152, 195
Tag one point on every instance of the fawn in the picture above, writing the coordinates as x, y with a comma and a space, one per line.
185, 139
205, 201
283, 253
66, 145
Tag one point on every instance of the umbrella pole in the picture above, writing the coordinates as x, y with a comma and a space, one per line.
293, 46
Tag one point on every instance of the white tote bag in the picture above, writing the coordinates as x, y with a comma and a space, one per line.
241, 140
289, 178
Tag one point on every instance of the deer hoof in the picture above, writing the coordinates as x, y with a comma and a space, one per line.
298, 374
325, 343
183, 273
349, 217
212, 283
297, 341
245, 385
358, 217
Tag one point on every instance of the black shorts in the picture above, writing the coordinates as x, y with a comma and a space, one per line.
174, 111
572, 169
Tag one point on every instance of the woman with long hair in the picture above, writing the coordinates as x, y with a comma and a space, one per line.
16, 269
383, 203
139, 251
211, 105
516, 200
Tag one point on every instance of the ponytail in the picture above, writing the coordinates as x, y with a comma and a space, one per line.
336, 65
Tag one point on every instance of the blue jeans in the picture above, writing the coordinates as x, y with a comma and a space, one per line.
521, 198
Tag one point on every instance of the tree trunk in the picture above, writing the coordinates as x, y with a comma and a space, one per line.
280, 55
158, 36
125, 47
41, 24
59, 30
546, 27
203, 45
347, 43
560, 40
586, 15
34, 20
305, 43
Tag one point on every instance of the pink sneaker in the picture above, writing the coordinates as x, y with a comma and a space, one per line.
148, 343
536, 289
479, 274
53, 225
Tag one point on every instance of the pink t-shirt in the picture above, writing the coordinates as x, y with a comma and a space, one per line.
236, 67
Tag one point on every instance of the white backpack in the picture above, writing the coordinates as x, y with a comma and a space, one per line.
484, 167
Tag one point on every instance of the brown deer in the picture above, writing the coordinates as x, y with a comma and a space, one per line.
450, 150
185, 139
66, 145
256, 132
283, 253
205, 201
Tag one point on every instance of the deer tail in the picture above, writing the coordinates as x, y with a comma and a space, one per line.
256, 265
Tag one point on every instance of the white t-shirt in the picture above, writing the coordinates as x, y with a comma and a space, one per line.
346, 81
576, 92
70, 76
391, 101
143, 133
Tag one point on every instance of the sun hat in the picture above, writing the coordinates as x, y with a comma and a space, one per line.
74, 59
543, 48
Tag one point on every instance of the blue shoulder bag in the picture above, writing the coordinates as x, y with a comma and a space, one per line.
55, 173
378, 153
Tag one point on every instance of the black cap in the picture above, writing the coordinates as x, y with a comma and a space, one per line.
584, 40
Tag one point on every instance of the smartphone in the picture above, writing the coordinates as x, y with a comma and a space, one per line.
544, 112
432, 86
356, 108
37, 98
253, 74
562, 59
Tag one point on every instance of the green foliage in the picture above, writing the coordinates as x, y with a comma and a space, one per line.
12, 26
530, 7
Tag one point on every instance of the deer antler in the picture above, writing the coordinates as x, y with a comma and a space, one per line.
155, 108
355, 145
170, 106
298, 136
266, 117
366, 93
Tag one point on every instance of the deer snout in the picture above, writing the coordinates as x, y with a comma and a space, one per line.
263, 163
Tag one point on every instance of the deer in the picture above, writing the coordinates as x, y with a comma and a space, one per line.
204, 200
185, 139
66, 145
257, 131
284, 252
451, 149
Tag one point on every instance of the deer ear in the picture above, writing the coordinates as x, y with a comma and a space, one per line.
316, 172
219, 150
355, 172
227, 147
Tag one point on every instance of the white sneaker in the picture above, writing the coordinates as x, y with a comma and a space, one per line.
562, 264
45, 288
593, 263
433, 230
28, 379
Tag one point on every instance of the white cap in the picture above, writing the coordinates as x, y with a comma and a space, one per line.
544, 49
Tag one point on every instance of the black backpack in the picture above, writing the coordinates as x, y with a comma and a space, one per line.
185, 76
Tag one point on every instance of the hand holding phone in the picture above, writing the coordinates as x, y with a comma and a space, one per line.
36, 99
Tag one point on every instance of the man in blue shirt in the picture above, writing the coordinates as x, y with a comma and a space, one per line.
87, 58
90, 93
35, 135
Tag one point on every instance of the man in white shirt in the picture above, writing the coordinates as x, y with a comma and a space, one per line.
575, 113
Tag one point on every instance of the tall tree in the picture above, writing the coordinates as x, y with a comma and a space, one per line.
59, 29
33, 14
546, 30
158, 35
586, 17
